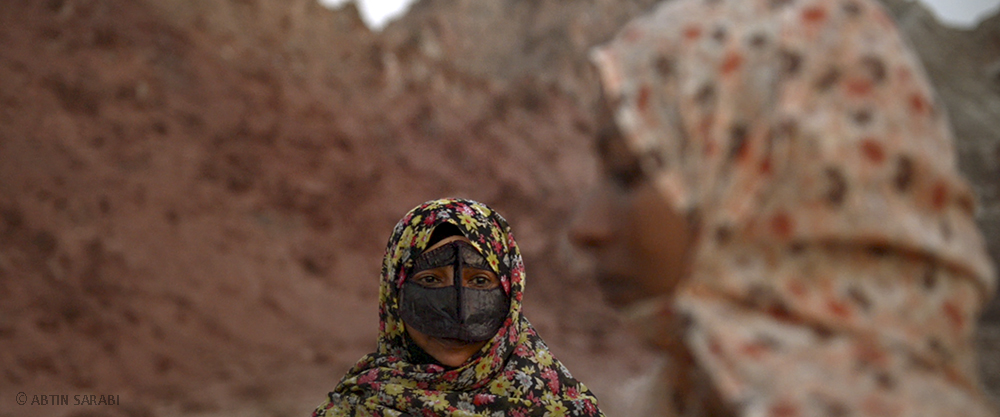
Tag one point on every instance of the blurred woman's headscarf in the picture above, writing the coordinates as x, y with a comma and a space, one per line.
513, 375
838, 267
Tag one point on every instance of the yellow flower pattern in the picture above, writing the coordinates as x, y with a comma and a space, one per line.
502, 379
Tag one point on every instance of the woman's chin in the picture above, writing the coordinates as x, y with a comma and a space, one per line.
625, 292
453, 352
453, 360
451, 344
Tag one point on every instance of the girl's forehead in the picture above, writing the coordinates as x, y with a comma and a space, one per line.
448, 240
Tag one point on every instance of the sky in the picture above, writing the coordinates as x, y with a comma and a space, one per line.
962, 13
958, 13
376, 13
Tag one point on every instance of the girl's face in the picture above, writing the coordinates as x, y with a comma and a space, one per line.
480, 279
639, 242
448, 351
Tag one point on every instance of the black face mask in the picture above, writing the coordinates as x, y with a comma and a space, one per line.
456, 312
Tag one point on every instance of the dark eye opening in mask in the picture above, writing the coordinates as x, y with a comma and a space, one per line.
452, 311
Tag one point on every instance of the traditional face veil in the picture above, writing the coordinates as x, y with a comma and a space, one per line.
456, 312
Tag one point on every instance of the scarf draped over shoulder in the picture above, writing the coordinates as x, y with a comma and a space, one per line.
838, 268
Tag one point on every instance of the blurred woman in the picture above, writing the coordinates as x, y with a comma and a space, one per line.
452, 339
782, 214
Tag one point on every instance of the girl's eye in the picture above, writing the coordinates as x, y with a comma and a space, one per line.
427, 280
481, 281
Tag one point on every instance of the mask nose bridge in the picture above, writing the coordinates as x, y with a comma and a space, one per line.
457, 281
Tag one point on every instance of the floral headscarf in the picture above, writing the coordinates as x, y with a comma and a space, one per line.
513, 375
838, 269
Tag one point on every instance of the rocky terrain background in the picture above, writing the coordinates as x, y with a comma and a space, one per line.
195, 194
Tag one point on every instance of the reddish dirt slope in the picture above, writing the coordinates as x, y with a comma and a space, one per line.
194, 220
195, 196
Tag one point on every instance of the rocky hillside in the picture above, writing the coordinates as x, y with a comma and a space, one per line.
195, 195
